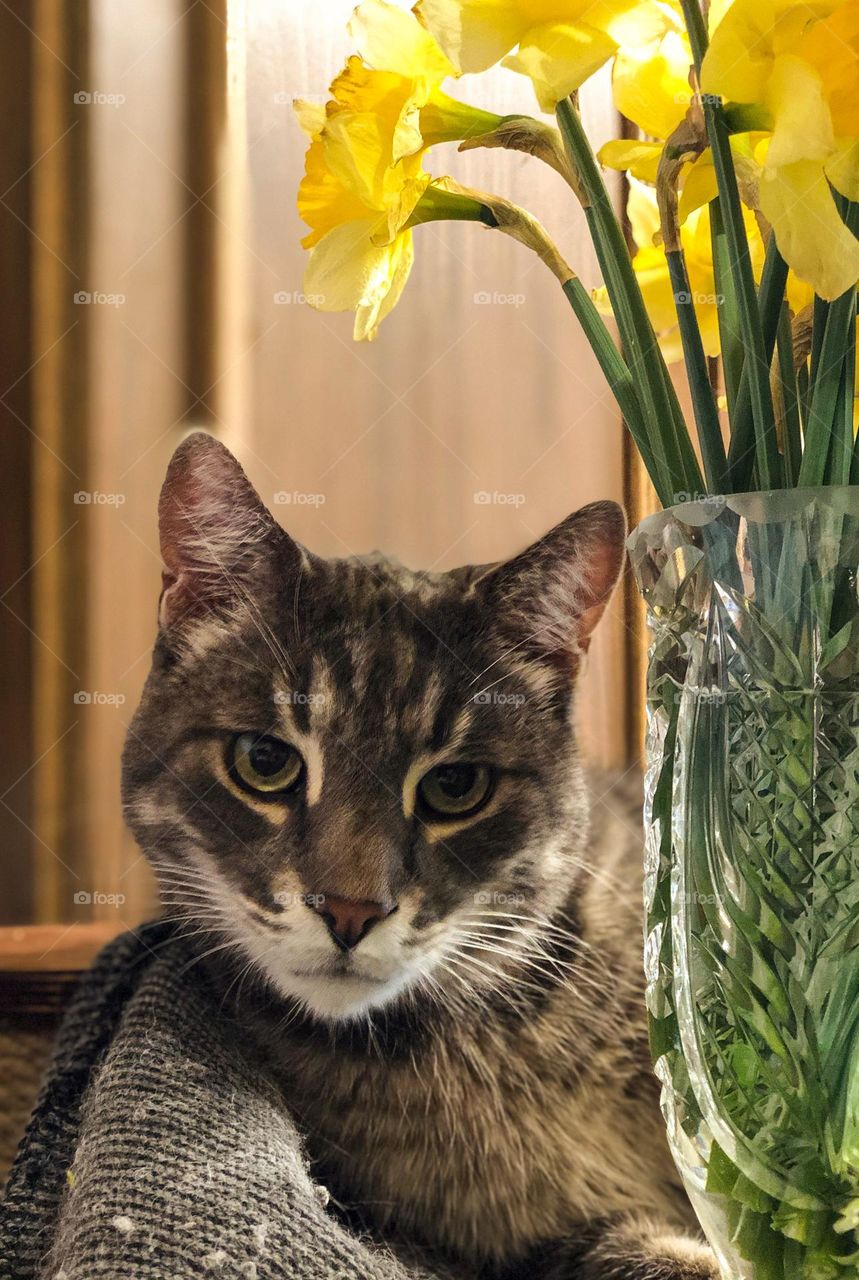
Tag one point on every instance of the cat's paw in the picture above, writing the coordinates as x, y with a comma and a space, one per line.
636, 1252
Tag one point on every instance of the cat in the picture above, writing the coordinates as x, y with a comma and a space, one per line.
361, 783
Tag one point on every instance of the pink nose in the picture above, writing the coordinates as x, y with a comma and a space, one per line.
349, 921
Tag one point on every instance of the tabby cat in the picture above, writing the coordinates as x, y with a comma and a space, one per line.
362, 785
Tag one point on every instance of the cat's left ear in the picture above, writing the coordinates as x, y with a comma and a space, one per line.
553, 594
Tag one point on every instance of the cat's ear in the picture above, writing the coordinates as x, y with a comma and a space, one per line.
550, 597
214, 530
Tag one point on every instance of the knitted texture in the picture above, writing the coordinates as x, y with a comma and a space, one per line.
160, 1147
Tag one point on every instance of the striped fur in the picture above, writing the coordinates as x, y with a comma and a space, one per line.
474, 1073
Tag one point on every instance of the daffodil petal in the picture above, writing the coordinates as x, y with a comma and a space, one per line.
797, 202
559, 58
842, 168
310, 116
802, 126
641, 159
651, 87
389, 105
699, 186
739, 57
323, 202
387, 289
474, 34
798, 292
392, 39
832, 46
347, 272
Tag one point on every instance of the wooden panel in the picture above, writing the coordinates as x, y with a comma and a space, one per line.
52, 948
16, 446
60, 415
142, 387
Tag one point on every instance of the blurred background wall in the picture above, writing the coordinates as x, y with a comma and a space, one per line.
153, 284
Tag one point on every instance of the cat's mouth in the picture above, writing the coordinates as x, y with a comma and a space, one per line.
338, 970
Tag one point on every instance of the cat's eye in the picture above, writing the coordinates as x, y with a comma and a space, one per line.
264, 764
455, 790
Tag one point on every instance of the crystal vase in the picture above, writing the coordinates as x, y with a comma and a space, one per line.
752, 869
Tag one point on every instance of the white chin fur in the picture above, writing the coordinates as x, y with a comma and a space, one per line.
337, 998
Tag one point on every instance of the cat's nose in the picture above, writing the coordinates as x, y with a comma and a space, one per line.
348, 920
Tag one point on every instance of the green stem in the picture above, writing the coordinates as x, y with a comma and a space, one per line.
703, 401
677, 466
840, 464
767, 456
792, 435
730, 342
440, 205
828, 373
617, 375
741, 452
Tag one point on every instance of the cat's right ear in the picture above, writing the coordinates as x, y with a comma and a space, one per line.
214, 530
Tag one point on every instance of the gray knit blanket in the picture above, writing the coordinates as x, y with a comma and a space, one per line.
161, 1148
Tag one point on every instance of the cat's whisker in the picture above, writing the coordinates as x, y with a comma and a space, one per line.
222, 946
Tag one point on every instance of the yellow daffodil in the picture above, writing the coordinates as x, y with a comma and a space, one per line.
357, 211
363, 171
397, 75
651, 88
558, 43
800, 63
